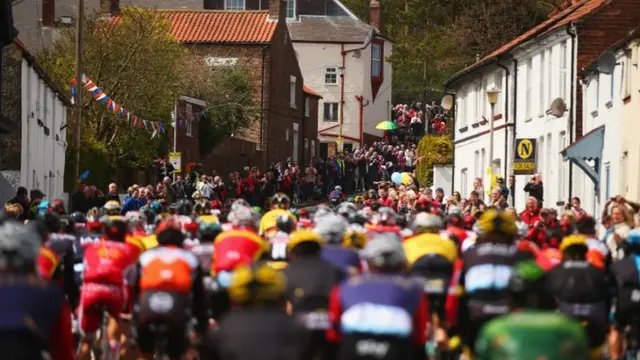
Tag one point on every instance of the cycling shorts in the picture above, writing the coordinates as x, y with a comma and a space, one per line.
163, 317
94, 298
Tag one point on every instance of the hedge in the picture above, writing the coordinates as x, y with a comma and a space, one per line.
432, 150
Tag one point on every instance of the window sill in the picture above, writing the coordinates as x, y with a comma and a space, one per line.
293, 107
594, 113
541, 115
528, 118
609, 104
331, 84
475, 125
626, 99
189, 135
463, 129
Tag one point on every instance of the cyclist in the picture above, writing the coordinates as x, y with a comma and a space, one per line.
280, 204
112, 208
337, 196
309, 283
627, 295
104, 285
332, 228
257, 328
279, 241
169, 281
33, 319
357, 306
578, 287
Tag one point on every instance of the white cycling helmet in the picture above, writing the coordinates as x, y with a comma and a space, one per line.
425, 220
331, 228
384, 249
19, 247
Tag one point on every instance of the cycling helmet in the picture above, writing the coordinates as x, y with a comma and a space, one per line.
285, 223
360, 218
347, 210
203, 208
384, 249
354, 239
19, 247
321, 212
67, 225
384, 216
256, 285
242, 216
358, 200
78, 217
425, 222
331, 228
280, 201
338, 188
184, 207
116, 228
51, 222
112, 208
497, 221
43, 207
573, 240
94, 211
303, 236
58, 207
239, 203
208, 231
169, 232
136, 220
156, 207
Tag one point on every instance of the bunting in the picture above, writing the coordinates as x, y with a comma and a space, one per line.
120, 112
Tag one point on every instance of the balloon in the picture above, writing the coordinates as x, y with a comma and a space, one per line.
405, 178
396, 178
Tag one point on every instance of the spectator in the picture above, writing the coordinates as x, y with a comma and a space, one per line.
498, 199
512, 190
531, 215
112, 195
622, 223
133, 203
23, 200
535, 188
479, 188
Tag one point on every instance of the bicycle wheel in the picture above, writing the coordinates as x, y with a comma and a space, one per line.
105, 346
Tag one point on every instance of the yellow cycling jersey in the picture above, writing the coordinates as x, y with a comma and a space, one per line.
209, 219
420, 245
149, 241
269, 219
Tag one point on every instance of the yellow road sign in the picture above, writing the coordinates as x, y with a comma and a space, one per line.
525, 148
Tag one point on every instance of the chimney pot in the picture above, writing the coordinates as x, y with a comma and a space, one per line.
48, 13
374, 14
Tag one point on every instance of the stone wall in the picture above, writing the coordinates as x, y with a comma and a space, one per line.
11, 104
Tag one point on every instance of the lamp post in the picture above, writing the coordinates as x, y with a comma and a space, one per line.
492, 95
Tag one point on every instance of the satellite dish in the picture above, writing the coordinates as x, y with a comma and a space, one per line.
558, 108
606, 63
447, 102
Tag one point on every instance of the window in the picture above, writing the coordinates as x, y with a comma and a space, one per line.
498, 84
189, 117
611, 85
549, 78
313, 148
496, 166
306, 143
291, 9
376, 59
479, 100
460, 108
541, 104
286, 135
307, 106
292, 91
549, 170
596, 95
562, 186
626, 77
463, 182
330, 112
540, 155
234, 4
483, 98
483, 163
331, 76
529, 93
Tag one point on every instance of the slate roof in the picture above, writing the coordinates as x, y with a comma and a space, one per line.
337, 29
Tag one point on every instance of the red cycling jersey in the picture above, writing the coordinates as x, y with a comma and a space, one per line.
236, 247
106, 261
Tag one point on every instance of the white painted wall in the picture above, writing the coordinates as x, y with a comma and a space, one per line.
42, 162
315, 58
629, 85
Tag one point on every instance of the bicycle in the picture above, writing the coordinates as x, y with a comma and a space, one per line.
102, 347
160, 331
632, 351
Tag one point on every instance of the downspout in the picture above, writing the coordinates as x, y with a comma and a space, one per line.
344, 53
361, 106
505, 116
573, 33
515, 122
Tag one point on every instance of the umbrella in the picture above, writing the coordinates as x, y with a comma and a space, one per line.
386, 125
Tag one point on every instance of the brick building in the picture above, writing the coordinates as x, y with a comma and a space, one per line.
259, 42
187, 131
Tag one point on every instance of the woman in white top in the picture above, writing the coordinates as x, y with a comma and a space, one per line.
622, 223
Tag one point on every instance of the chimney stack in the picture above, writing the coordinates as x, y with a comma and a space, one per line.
277, 10
48, 13
110, 7
374, 15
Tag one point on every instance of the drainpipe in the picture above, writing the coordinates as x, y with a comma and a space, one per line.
361, 106
264, 57
344, 53
573, 32
515, 121
505, 116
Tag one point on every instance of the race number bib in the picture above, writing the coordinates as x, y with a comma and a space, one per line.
487, 277
279, 250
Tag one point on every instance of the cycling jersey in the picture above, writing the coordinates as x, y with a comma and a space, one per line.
268, 221
167, 269
236, 247
278, 244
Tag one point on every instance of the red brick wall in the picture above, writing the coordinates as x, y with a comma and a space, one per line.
598, 32
282, 65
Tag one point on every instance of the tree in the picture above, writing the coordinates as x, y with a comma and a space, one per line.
432, 150
229, 97
133, 59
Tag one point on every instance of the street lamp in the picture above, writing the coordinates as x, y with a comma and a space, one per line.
492, 96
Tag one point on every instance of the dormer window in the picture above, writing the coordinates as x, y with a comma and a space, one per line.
291, 9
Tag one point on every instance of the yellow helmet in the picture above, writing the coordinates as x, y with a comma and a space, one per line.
112, 208
354, 239
257, 284
494, 221
303, 236
573, 240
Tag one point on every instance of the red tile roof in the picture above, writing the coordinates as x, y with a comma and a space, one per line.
308, 91
233, 27
556, 21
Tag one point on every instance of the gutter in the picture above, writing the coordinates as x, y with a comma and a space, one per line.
573, 33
